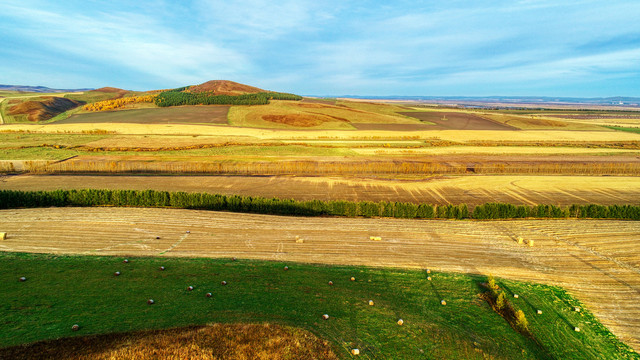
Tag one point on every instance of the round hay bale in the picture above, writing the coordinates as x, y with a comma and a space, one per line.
370, 302
223, 282
353, 278
428, 271
117, 273
531, 243
442, 302
576, 309
330, 283
355, 351
75, 327
161, 268
325, 316
539, 312
520, 240
516, 296
576, 329
22, 279
233, 259
286, 268
190, 288
150, 302
400, 322
209, 295
126, 261
428, 278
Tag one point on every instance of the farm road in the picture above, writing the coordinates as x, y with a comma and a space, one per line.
598, 261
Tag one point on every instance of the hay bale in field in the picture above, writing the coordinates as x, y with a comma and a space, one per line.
117, 273
3, 236
370, 302
443, 303
223, 282
190, 288
530, 243
375, 238
286, 268
576, 329
208, 294
233, 259
188, 232
520, 240
353, 278
75, 327
161, 268
150, 302
22, 279
330, 283
400, 322
325, 316
355, 352
428, 278
428, 271
576, 309
516, 296
300, 241
539, 312
126, 261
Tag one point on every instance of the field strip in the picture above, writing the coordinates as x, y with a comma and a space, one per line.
597, 261
472, 190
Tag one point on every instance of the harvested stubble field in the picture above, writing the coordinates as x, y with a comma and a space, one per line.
171, 115
441, 190
597, 261
240, 342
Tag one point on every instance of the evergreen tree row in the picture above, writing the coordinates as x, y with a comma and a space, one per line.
176, 98
204, 201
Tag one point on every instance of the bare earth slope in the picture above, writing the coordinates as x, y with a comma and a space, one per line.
597, 261
225, 87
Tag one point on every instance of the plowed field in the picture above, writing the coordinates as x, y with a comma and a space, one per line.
597, 261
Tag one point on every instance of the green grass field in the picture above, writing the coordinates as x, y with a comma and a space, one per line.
627, 129
64, 290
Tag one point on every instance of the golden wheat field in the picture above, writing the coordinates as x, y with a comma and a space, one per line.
472, 190
596, 261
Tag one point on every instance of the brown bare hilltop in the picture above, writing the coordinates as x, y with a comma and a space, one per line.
39, 110
225, 87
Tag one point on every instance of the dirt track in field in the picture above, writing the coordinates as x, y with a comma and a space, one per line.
471, 190
597, 261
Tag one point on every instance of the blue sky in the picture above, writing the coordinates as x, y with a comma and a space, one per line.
422, 48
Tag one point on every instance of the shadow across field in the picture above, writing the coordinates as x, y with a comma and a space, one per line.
210, 114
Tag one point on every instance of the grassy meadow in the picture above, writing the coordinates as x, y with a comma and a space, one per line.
61, 291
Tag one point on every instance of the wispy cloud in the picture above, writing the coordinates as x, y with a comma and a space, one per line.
367, 47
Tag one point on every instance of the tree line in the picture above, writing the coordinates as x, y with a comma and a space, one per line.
176, 98
276, 206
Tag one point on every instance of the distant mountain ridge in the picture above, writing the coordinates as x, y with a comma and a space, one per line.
39, 89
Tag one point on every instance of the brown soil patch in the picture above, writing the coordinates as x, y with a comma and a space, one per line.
218, 341
204, 114
457, 121
110, 90
38, 110
301, 120
538, 123
598, 261
225, 87
14, 101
